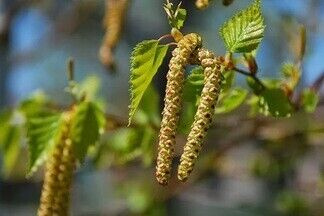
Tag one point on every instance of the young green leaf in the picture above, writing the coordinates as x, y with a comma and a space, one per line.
87, 122
146, 59
176, 17
309, 100
43, 133
233, 99
244, 32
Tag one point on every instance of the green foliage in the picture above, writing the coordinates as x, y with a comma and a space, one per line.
291, 204
309, 100
149, 109
146, 58
35, 105
87, 122
10, 137
273, 101
43, 133
125, 145
194, 84
228, 80
192, 90
243, 32
233, 99
292, 74
255, 86
176, 17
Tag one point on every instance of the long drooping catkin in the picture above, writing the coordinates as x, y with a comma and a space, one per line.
202, 4
55, 198
172, 105
113, 23
203, 118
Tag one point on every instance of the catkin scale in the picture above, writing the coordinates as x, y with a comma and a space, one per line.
213, 68
172, 104
55, 197
113, 23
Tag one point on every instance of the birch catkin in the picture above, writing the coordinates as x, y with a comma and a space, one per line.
113, 23
203, 118
202, 4
55, 197
172, 104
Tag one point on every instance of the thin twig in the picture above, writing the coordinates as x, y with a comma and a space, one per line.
246, 73
164, 37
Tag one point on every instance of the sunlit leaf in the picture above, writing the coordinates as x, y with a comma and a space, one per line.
244, 32
146, 58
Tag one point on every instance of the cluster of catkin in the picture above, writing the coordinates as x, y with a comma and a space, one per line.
113, 21
188, 50
55, 197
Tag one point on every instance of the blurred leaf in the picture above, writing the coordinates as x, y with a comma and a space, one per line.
147, 145
187, 117
146, 58
233, 99
149, 109
90, 85
309, 100
228, 80
275, 102
243, 32
194, 84
10, 137
271, 83
87, 122
11, 149
43, 133
291, 204
5, 118
255, 86
35, 105
192, 90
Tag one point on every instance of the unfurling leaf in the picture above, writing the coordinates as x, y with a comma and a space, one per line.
146, 59
244, 32
233, 99
43, 133
87, 122
309, 100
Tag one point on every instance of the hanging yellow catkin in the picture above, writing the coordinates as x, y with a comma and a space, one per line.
172, 104
55, 197
202, 4
113, 23
213, 67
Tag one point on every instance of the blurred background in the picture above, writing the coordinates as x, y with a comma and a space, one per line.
249, 167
